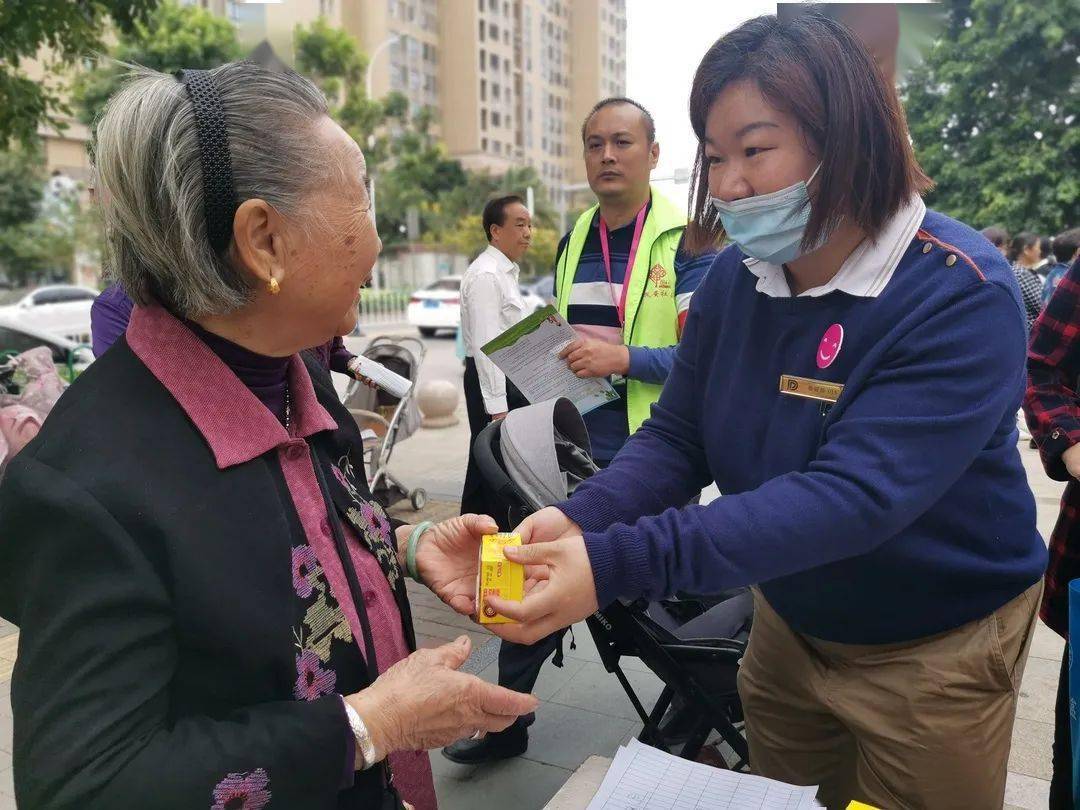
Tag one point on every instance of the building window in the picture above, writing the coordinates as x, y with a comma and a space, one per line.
498, 147
483, 59
483, 141
496, 90
493, 29
481, 30
496, 119
483, 89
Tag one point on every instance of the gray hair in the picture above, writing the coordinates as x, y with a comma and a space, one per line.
148, 166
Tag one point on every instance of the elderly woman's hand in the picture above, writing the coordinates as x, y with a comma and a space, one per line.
423, 702
448, 556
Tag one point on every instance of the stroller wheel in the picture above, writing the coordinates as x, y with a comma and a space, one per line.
418, 497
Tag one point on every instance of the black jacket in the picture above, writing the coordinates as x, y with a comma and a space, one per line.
153, 595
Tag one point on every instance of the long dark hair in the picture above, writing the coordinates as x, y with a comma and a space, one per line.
816, 70
1021, 242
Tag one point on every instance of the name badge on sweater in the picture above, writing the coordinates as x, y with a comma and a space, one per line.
810, 389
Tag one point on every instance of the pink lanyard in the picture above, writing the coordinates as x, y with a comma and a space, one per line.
639, 224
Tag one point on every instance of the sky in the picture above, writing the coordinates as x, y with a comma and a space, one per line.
665, 40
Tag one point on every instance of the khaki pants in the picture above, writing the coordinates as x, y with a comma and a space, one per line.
921, 724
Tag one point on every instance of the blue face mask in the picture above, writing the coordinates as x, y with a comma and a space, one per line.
768, 227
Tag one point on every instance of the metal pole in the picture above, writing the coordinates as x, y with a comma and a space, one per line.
562, 211
374, 54
375, 283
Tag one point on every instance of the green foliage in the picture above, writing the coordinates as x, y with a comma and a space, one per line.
172, 38
32, 242
993, 114
22, 176
324, 53
454, 219
70, 31
333, 60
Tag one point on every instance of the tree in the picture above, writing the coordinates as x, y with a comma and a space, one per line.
333, 60
32, 245
173, 37
67, 31
456, 222
993, 110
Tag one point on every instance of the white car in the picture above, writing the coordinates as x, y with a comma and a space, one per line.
16, 337
60, 309
438, 305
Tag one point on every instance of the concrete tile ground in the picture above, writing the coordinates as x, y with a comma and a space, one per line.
584, 711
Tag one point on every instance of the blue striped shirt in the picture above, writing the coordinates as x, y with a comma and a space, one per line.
593, 312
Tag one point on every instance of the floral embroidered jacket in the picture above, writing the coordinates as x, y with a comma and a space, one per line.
195, 587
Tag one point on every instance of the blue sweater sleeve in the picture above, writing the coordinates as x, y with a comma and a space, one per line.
880, 466
652, 365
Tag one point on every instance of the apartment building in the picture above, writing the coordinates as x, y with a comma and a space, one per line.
510, 80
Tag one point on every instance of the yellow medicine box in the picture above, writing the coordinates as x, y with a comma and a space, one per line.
860, 806
498, 576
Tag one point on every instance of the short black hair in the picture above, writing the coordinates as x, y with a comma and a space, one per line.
999, 237
1066, 244
1046, 247
495, 211
816, 70
646, 116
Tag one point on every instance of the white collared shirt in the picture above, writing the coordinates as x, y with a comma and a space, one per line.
491, 303
865, 272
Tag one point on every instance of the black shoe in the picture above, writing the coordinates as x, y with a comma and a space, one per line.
499, 745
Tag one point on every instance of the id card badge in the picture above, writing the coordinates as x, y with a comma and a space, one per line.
805, 388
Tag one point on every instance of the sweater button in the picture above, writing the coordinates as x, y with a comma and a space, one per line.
927, 247
950, 260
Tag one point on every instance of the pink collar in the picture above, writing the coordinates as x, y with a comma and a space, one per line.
232, 420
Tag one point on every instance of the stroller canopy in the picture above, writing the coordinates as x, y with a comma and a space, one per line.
545, 450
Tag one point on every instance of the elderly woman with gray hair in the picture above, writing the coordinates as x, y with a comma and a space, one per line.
212, 607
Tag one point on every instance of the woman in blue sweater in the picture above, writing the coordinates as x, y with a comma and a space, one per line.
849, 376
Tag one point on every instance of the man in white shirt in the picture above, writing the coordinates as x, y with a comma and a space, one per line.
491, 302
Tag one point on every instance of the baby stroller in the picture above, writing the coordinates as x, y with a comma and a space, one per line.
537, 456
384, 419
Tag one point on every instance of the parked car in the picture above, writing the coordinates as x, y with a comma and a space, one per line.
59, 309
17, 337
438, 305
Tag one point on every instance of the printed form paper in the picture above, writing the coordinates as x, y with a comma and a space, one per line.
528, 354
643, 778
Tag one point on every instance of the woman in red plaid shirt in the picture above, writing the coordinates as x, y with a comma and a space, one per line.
1052, 406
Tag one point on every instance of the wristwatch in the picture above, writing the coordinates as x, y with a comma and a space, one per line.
364, 745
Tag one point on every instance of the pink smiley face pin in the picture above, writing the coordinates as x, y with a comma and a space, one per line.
830, 345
